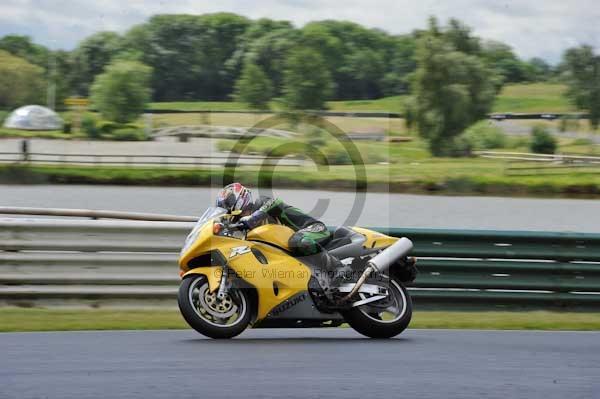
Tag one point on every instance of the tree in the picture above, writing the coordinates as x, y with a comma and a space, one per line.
307, 82
367, 68
23, 47
500, 56
21, 83
56, 64
201, 57
254, 87
90, 57
363, 63
539, 69
122, 91
189, 53
267, 43
402, 65
459, 36
582, 68
453, 90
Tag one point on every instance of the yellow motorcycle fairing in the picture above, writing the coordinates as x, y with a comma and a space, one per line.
212, 274
275, 234
375, 239
277, 279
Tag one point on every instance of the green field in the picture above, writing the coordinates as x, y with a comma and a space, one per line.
240, 119
517, 98
412, 172
536, 97
35, 319
386, 104
200, 106
390, 166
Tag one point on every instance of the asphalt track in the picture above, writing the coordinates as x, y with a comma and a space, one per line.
334, 363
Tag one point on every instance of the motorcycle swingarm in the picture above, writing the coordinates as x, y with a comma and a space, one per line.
376, 293
371, 289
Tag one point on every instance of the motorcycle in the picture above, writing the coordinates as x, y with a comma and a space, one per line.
233, 278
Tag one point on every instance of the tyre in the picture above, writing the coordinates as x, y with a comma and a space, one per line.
383, 321
210, 316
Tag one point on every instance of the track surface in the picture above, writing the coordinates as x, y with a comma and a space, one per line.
300, 364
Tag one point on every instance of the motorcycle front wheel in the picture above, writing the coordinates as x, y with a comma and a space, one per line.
209, 315
383, 321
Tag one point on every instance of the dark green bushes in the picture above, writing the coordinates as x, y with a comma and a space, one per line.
542, 141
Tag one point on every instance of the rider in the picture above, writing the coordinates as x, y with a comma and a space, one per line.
310, 234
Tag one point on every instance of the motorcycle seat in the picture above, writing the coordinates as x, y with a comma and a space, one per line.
345, 243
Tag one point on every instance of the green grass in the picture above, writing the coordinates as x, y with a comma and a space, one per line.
46, 134
532, 98
53, 174
386, 104
35, 319
371, 152
200, 106
517, 98
410, 174
238, 119
532, 320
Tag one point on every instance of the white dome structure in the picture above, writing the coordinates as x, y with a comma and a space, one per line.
33, 117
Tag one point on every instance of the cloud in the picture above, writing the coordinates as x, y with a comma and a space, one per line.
532, 28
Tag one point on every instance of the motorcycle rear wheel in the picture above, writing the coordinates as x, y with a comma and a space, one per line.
210, 316
383, 323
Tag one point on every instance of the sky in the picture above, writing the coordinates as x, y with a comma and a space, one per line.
534, 28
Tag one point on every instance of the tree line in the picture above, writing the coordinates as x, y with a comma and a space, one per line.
450, 75
203, 57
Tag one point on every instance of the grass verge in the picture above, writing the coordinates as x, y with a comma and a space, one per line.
531, 320
474, 176
34, 319
43, 134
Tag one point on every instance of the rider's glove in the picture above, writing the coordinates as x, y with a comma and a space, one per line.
245, 221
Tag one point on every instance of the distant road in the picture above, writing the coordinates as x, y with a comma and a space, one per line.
381, 209
166, 146
165, 150
304, 363
517, 129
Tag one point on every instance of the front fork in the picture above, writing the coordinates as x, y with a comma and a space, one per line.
223, 284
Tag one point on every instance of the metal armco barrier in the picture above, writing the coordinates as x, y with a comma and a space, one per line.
45, 262
481, 268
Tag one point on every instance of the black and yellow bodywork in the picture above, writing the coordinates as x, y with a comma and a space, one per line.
262, 261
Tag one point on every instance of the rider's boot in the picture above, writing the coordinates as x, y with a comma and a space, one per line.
329, 271
336, 274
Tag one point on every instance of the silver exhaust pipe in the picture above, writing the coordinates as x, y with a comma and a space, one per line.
382, 262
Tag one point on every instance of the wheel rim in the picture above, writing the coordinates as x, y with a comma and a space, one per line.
392, 313
223, 313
